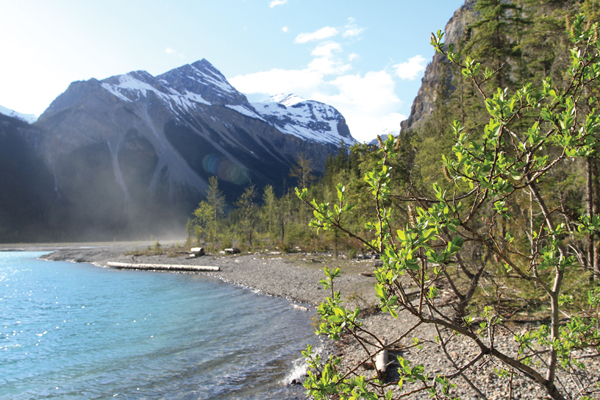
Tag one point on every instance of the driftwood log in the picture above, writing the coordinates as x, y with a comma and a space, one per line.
381, 362
232, 250
196, 252
161, 267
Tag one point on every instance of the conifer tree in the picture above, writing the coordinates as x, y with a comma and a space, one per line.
302, 170
209, 212
270, 211
495, 37
247, 209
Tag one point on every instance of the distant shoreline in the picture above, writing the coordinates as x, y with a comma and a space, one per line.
292, 276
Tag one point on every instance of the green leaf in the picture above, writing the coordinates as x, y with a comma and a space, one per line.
402, 235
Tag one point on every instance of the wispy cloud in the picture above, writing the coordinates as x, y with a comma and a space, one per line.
277, 3
326, 49
351, 29
323, 33
368, 102
411, 69
326, 59
285, 29
351, 32
169, 50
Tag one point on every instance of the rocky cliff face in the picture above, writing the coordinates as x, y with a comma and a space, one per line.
132, 153
423, 104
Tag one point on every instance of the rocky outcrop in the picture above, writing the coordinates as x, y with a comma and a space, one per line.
422, 106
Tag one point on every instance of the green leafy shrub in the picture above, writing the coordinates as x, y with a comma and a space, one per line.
499, 214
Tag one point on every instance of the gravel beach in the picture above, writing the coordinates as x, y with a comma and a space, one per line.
296, 278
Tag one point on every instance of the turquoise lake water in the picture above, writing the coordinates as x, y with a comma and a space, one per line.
76, 331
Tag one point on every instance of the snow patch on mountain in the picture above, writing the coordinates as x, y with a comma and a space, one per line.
306, 119
29, 118
209, 75
130, 88
245, 110
287, 100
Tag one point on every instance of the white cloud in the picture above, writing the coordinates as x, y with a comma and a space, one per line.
353, 56
368, 103
328, 66
285, 29
277, 3
169, 50
323, 33
277, 81
411, 69
327, 61
355, 31
351, 29
390, 123
326, 49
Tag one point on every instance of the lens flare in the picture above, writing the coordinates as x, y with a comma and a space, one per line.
225, 169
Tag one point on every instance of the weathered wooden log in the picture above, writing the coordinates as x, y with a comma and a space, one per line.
381, 362
197, 251
232, 250
162, 267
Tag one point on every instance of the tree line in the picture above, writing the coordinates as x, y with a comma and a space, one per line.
260, 219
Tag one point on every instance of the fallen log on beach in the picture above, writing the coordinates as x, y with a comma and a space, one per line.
161, 267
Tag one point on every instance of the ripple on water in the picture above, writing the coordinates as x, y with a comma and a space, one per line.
77, 331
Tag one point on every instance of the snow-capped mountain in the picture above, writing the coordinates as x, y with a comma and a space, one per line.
29, 118
184, 88
133, 152
306, 119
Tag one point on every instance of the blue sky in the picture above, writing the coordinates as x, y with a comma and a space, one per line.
366, 58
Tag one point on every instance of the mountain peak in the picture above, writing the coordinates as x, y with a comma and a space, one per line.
307, 119
202, 78
205, 66
29, 118
287, 100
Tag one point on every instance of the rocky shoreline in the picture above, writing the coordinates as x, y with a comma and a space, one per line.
296, 278
293, 276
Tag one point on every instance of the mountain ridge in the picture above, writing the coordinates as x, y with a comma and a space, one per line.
134, 152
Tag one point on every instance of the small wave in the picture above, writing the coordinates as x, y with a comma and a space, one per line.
299, 370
